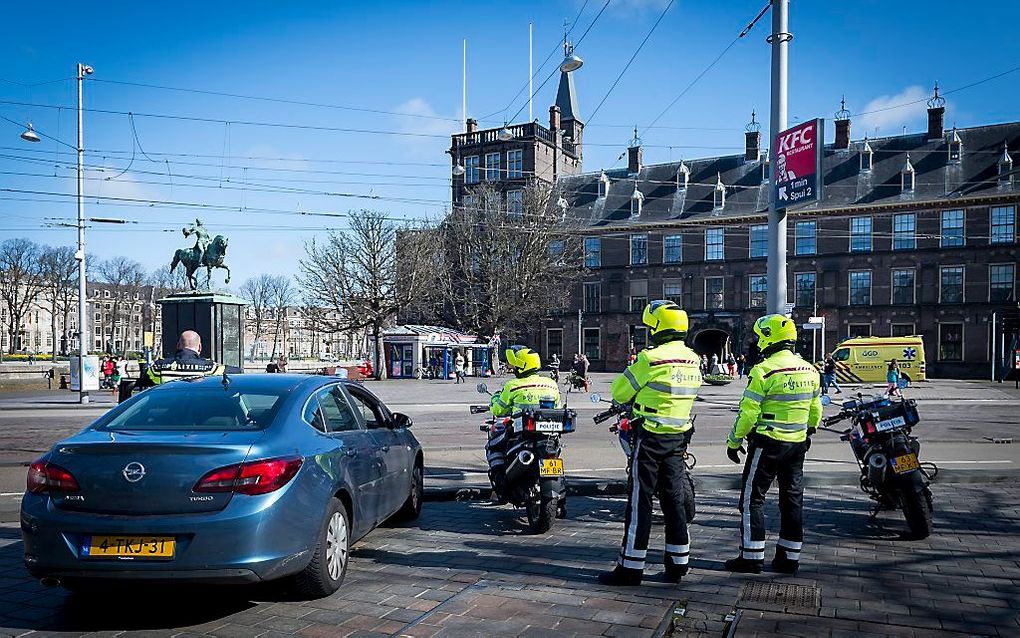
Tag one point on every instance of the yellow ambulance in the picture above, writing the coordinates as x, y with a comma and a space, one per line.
866, 359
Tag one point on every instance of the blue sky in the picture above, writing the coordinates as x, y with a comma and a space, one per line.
404, 58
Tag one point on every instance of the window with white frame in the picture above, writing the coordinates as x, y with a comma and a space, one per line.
858, 330
592, 296
491, 167
759, 241
951, 284
804, 285
515, 202
1001, 283
758, 285
515, 164
903, 287
592, 343
860, 234
673, 291
553, 341
1003, 225
806, 242
471, 169
714, 244
952, 229
714, 292
950, 342
592, 252
904, 231
638, 294
860, 287
672, 249
902, 330
639, 250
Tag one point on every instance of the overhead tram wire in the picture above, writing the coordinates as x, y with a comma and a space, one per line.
40, 133
630, 61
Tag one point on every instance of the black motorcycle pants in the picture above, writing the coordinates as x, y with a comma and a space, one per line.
656, 468
768, 460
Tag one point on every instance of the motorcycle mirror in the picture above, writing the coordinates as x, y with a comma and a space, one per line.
902, 383
595, 398
482, 388
826, 400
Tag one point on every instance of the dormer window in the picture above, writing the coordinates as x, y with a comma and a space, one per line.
867, 157
1005, 166
907, 177
955, 147
683, 176
603, 185
719, 194
636, 202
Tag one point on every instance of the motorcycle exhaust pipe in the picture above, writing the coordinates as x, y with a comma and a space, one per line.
876, 468
519, 467
49, 581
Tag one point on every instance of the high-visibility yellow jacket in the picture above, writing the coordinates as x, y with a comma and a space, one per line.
185, 364
662, 384
782, 400
524, 393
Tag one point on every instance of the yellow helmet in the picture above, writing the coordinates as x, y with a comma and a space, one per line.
523, 359
773, 329
662, 315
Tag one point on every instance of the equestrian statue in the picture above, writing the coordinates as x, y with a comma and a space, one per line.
205, 253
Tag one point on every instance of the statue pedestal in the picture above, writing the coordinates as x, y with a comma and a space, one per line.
217, 317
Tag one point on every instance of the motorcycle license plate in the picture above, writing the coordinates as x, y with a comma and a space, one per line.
890, 424
551, 467
548, 426
905, 463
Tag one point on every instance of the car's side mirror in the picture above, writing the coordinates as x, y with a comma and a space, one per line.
826, 400
401, 421
595, 398
482, 388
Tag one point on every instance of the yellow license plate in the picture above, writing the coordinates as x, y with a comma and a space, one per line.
551, 467
905, 463
145, 547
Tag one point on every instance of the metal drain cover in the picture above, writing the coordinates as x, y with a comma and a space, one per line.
783, 595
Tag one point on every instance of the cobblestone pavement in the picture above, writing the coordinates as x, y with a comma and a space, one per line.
468, 569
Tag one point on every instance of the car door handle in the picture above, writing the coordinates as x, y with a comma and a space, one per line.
350, 452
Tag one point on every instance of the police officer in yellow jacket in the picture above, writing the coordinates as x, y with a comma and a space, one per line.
662, 385
780, 409
186, 362
528, 389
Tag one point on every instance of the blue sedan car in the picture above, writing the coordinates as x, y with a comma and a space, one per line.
241, 479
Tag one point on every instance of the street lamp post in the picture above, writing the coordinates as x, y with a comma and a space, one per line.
83, 395
776, 268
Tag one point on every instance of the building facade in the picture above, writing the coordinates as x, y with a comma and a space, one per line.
121, 315
914, 234
291, 333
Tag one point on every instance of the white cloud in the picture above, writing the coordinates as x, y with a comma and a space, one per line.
878, 114
423, 120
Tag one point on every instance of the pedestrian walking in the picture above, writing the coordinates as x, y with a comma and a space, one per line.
781, 408
892, 380
585, 366
281, 364
741, 365
713, 364
458, 368
829, 376
731, 364
704, 365
49, 379
122, 367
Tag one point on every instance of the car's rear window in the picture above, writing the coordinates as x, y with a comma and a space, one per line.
207, 408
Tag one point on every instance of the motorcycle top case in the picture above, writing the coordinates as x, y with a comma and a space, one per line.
895, 415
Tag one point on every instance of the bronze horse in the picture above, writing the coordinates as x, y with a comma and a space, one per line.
211, 258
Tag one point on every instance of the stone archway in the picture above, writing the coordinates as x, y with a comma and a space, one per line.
711, 341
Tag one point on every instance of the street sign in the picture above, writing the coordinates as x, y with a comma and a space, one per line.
812, 326
788, 309
798, 164
816, 320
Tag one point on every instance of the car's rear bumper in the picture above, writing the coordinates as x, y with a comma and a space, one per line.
252, 539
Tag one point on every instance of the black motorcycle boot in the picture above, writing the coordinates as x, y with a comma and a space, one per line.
674, 573
621, 577
784, 565
742, 565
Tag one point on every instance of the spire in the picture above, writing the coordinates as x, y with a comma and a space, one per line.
566, 98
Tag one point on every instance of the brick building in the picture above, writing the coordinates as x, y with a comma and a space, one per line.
916, 234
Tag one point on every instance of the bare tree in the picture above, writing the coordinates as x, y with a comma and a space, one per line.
504, 267
60, 274
352, 280
258, 291
282, 295
21, 282
126, 279
166, 282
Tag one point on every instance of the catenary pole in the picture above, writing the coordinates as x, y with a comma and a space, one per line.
463, 96
531, 74
83, 395
779, 40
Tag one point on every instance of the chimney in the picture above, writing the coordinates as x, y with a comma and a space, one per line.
752, 140
634, 154
936, 115
554, 118
472, 125
842, 127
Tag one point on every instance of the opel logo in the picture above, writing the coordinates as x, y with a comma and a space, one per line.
133, 472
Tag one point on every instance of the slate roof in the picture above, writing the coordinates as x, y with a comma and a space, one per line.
846, 186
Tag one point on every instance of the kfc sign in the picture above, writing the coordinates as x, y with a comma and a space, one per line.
798, 164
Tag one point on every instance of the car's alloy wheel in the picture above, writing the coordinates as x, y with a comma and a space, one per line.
336, 545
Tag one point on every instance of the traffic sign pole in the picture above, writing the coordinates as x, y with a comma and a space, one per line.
776, 295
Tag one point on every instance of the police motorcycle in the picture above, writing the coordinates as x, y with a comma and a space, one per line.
627, 425
534, 471
887, 454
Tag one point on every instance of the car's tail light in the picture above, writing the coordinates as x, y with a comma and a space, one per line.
46, 477
252, 478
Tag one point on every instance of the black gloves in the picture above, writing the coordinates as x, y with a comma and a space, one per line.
807, 442
734, 453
